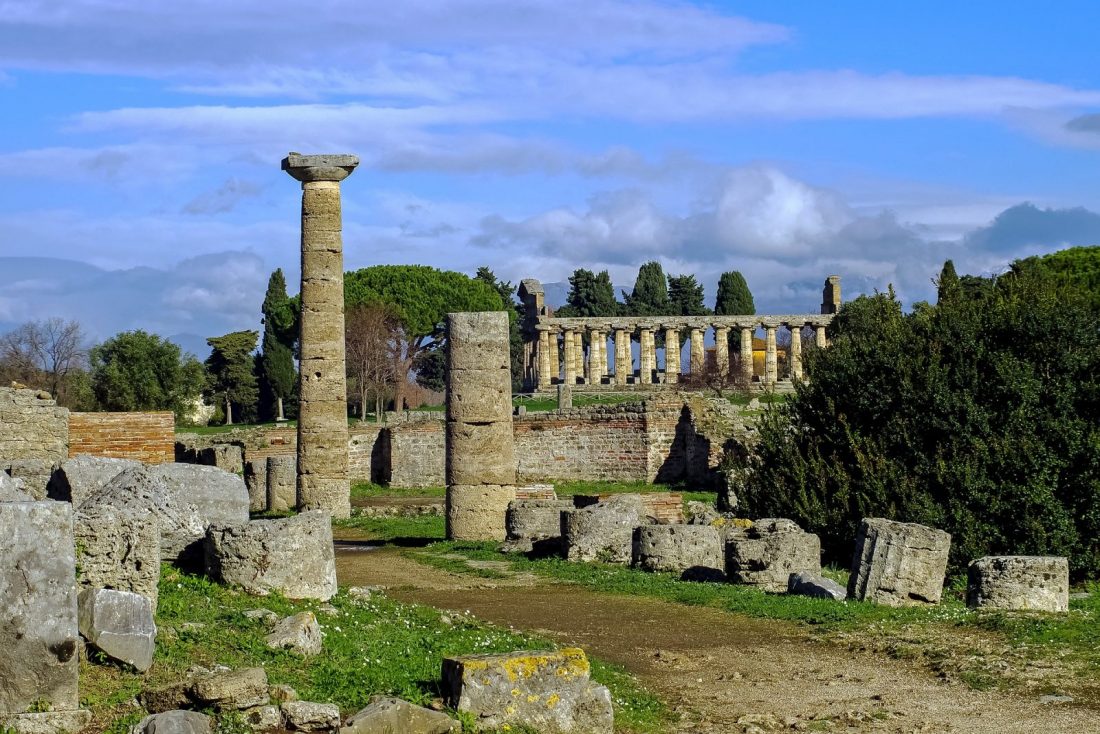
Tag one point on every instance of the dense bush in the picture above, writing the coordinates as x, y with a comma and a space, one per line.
980, 415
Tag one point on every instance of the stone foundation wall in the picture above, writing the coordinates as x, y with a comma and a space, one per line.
364, 464
146, 437
414, 454
602, 443
32, 427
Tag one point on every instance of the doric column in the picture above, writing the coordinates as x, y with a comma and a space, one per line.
569, 357
480, 450
578, 352
672, 356
771, 358
697, 353
646, 354
624, 363
722, 350
597, 342
796, 350
746, 354
819, 335
322, 479
544, 359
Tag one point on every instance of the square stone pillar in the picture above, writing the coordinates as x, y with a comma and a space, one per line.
771, 358
672, 356
544, 359
747, 369
697, 353
569, 358
624, 362
322, 482
481, 461
796, 350
722, 350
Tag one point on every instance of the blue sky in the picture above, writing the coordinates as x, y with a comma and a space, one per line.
790, 141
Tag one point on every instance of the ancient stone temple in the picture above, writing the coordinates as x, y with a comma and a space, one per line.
554, 348
481, 463
322, 413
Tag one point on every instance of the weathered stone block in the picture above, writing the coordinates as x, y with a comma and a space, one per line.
48, 722
479, 395
549, 692
474, 340
255, 480
38, 631
11, 490
603, 531
530, 524
33, 473
1019, 583
118, 548
692, 550
816, 586
477, 512
309, 716
290, 555
80, 477
119, 624
282, 477
387, 715
232, 689
480, 453
298, 633
174, 722
227, 457
219, 496
897, 563
766, 554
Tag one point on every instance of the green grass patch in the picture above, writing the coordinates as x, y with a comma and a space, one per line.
580, 400
424, 528
373, 646
366, 490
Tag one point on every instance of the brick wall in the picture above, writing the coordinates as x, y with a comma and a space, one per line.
146, 437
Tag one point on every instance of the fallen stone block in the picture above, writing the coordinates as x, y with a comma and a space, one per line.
1019, 583
47, 722
137, 489
174, 722
309, 716
603, 531
767, 553
813, 585
282, 479
292, 555
694, 551
219, 496
168, 698
230, 690
11, 489
264, 718
387, 715
227, 457
38, 631
549, 692
534, 525
80, 477
298, 633
119, 624
898, 563
118, 548
34, 474
255, 481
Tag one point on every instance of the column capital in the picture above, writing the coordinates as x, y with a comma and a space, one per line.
325, 167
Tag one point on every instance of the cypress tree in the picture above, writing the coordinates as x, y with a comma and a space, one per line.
232, 375
685, 295
734, 297
590, 295
276, 363
948, 285
650, 294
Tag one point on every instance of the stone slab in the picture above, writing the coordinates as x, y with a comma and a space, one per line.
119, 624
898, 564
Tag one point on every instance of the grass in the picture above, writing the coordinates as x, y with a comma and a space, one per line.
416, 530
373, 646
580, 399
365, 490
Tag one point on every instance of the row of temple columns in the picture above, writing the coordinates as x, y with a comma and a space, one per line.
594, 369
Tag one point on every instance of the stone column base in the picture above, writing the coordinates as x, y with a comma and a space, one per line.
476, 512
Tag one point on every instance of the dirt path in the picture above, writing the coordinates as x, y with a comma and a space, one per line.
723, 672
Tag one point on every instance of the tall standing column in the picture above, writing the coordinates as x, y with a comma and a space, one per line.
578, 353
722, 350
771, 358
672, 356
747, 368
322, 482
697, 353
481, 461
796, 350
569, 358
646, 350
597, 343
544, 359
624, 362
819, 336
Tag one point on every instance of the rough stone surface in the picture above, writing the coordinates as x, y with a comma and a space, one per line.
766, 554
227, 457
38, 632
32, 426
232, 689
549, 692
298, 633
281, 477
1019, 583
603, 531
119, 624
255, 480
174, 722
534, 525
692, 550
898, 563
118, 548
138, 490
816, 586
292, 555
309, 716
264, 718
387, 715
477, 512
220, 497
48, 722
11, 490
80, 477
34, 474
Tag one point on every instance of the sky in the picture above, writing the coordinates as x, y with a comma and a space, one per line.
789, 141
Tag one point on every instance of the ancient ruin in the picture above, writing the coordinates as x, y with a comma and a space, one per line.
551, 341
322, 412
